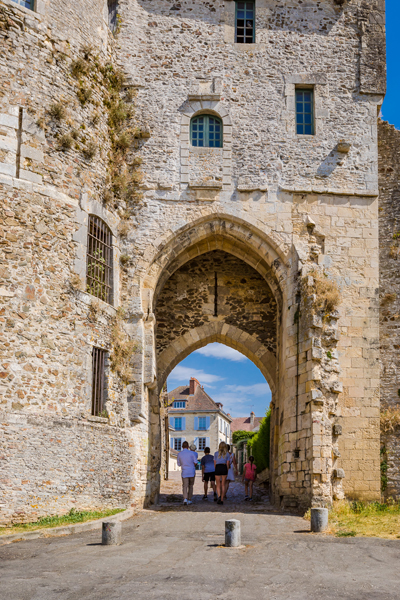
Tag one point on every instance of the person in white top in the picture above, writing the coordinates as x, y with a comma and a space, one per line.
232, 469
187, 461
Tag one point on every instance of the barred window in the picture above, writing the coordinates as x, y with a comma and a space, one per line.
202, 443
99, 260
206, 131
245, 22
98, 380
305, 112
112, 14
26, 3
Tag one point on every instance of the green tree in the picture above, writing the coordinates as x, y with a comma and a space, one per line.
259, 445
242, 435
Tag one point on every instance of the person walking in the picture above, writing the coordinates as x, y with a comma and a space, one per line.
249, 476
193, 449
232, 469
187, 460
221, 463
208, 473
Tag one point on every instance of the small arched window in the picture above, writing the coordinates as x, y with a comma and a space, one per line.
206, 131
99, 260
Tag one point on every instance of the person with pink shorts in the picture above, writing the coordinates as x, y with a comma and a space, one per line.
249, 476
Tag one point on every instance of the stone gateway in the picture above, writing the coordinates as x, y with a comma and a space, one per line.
179, 173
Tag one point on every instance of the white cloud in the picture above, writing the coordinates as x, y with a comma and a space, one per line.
257, 389
221, 351
183, 374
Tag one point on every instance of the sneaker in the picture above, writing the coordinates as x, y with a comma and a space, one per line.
185, 502
189, 502
205, 497
215, 497
246, 497
219, 501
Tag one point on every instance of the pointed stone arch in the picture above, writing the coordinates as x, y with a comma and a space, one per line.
225, 334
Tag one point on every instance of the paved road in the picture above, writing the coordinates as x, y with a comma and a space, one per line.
175, 553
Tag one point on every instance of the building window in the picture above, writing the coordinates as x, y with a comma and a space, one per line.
98, 380
99, 260
202, 443
206, 131
202, 422
245, 22
178, 423
178, 444
112, 14
305, 112
26, 3
179, 405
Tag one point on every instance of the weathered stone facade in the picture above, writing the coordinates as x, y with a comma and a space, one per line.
281, 213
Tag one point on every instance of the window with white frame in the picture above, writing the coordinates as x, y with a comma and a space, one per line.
178, 444
180, 404
202, 443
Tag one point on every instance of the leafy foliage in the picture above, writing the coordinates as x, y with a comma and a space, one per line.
242, 435
259, 445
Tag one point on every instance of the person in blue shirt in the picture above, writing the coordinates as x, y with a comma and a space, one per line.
208, 473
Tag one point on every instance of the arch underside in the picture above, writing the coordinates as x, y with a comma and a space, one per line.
223, 333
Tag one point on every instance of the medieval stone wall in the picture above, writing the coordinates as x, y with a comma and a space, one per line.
284, 204
389, 244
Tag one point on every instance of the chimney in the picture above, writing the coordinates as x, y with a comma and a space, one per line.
193, 385
252, 415
219, 405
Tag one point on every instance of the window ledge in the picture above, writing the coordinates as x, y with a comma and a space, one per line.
206, 185
104, 306
94, 419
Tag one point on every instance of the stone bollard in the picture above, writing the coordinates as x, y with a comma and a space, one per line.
232, 533
111, 534
319, 519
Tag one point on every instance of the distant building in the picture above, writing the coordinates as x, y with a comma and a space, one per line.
195, 418
251, 423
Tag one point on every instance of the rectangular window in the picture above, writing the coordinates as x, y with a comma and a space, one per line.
245, 19
98, 380
178, 423
25, 3
178, 444
202, 422
99, 260
112, 14
179, 405
202, 443
305, 112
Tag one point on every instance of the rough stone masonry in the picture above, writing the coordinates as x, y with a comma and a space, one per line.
269, 244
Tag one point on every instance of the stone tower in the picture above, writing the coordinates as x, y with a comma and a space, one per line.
174, 174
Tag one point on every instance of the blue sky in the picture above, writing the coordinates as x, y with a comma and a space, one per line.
390, 109
228, 376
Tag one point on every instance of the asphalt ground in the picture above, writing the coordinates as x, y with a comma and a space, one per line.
176, 552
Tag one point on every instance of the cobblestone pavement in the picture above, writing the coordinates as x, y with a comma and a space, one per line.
171, 497
172, 552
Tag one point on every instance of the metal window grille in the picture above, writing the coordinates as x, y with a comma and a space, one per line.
98, 380
112, 14
245, 19
26, 3
206, 132
99, 260
178, 444
305, 112
202, 443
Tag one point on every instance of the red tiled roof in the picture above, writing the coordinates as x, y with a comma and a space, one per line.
243, 424
200, 400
